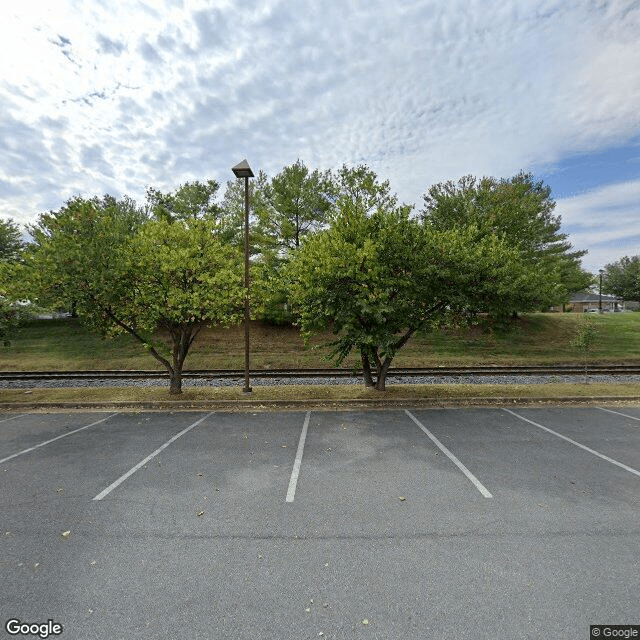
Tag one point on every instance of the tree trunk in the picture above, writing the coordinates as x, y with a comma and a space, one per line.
181, 337
182, 340
383, 368
366, 369
176, 382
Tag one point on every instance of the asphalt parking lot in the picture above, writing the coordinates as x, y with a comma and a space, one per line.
426, 523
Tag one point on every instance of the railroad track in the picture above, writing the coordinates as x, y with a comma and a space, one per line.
553, 370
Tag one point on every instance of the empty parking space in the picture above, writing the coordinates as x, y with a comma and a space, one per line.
602, 451
294, 524
525, 464
227, 475
147, 459
28, 433
630, 413
356, 454
76, 460
376, 473
612, 434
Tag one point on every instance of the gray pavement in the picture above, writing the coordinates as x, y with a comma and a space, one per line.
431, 523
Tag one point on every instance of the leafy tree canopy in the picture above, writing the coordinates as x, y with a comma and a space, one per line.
518, 209
185, 278
11, 244
190, 201
377, 277
360, 186
126, 273
12, 310
299, 201
622, 278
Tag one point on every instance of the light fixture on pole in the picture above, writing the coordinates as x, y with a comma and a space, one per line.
243, 170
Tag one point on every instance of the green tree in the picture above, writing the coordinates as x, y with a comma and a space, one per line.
184, 278
190, 201
11, 244
360, 186
77, 248
520, 210
126, 273
586, 338
299, 201
77, 251
622, 278
376, 277
14, 310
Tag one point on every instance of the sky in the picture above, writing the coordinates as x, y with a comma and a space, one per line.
114, 97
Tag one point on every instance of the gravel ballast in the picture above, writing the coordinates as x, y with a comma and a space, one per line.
323, 380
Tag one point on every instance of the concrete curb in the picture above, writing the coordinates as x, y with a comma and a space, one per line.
317, 405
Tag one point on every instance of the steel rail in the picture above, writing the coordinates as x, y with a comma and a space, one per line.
488, 370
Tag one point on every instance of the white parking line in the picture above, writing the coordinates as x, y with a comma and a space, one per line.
595, 453
122, 478
64, 435
478, 485
618, 413
293, 482
13, 417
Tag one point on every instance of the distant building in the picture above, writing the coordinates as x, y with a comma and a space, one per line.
588, 302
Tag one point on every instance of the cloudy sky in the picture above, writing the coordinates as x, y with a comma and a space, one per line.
112, 97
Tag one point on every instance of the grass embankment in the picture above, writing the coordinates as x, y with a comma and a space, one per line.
536, 339
320, 394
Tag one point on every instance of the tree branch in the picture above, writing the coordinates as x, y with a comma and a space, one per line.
405, 338
138, 337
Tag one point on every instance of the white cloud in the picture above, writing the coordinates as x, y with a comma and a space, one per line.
128, 94
604, 221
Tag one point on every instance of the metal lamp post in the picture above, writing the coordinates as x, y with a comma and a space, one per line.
600, 293
243, 170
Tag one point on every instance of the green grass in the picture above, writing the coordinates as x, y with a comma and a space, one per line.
322, 394
536, 339
543, 338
